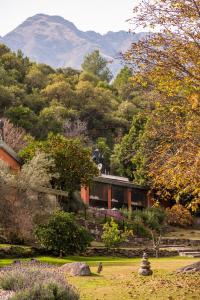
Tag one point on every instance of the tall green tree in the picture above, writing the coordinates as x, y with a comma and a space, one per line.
73, 163
95, 64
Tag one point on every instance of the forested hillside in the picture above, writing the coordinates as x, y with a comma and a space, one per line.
41, 99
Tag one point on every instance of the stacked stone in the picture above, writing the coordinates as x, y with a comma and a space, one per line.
145, 268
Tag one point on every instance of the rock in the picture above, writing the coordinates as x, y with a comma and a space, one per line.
190, 268
145, 268
77, 269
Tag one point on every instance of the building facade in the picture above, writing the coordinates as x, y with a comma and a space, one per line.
9, 156
111, 192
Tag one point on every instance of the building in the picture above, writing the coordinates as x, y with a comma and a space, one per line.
115, 192
9, 156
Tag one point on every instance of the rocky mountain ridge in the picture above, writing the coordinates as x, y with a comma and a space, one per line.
59, 43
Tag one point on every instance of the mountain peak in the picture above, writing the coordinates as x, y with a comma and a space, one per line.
49, 19
58, 43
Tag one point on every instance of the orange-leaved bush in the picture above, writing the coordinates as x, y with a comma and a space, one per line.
179, 215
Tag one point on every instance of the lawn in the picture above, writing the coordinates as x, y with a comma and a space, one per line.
120, 281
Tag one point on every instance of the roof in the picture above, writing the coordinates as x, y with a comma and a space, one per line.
118, 181
10, 151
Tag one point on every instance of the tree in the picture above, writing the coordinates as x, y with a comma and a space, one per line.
37, 172
112, 236
167, 62
73, 163
51, 119
178, 215
75, 128
59, 89
23, 117
154, 219
21, 206
105, 152
95, 64
123, 83
35, 78
127, 158
15, 137
62, 235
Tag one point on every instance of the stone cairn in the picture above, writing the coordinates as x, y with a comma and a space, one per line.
145, 267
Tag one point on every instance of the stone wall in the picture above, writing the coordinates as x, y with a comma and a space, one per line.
129, 253
180, 242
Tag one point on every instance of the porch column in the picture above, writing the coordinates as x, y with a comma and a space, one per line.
85, 194
129, 198
150, 200
109, 196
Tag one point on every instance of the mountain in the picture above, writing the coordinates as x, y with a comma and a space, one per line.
59, 43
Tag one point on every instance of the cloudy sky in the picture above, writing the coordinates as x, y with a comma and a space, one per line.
97, 15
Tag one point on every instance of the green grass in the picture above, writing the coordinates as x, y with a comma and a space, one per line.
93, 261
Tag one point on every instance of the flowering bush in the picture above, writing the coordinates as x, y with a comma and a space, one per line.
48, 290
179, 215
36, 281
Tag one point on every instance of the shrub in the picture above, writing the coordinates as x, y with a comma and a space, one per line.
49, 290
12, 281
178, 215
112, 236
140, 230
33, 282
153, 218
62, 234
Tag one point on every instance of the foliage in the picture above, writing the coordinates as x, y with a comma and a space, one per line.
105, 151
72, 162
15, 137
179, 215
95, 64
41, 100
166, 64
63, 235
154, 220
127, 158
48, 290
112, 236
35, 282
140, 229
21, 205
123, 83
37, 172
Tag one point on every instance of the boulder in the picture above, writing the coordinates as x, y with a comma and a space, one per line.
190, 268
77, 269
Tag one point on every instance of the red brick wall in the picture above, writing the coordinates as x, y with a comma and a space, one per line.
9, 160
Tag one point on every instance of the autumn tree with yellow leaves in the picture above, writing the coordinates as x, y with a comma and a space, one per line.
167, 64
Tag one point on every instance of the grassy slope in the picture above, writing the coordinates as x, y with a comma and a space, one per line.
120, 281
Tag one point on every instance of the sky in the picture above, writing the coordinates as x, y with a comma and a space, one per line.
98, 15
